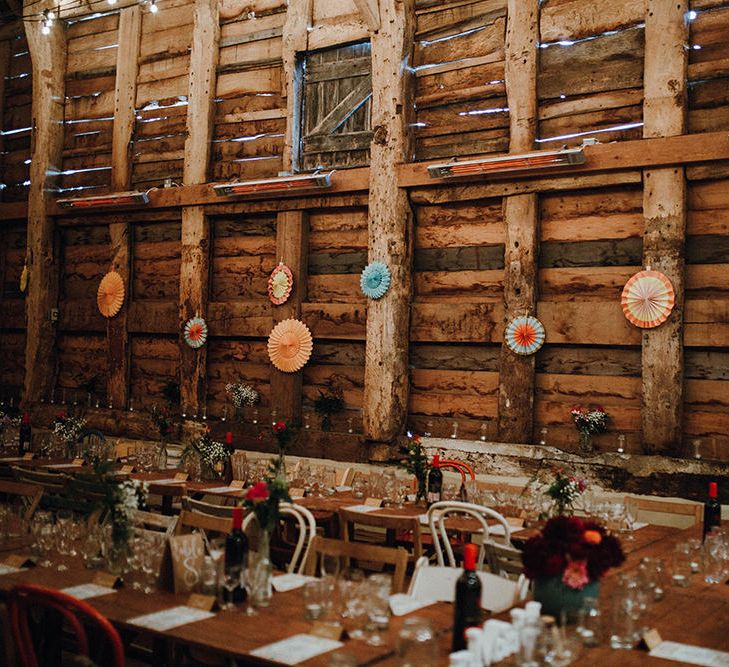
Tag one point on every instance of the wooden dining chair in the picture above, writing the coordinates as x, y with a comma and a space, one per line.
664, 512
158, 523
54, 485
29, 495
359, 552
26, 600
209, 509
390, 531
189, 522
169, 494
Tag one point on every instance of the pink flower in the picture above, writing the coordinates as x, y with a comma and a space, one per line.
575, 575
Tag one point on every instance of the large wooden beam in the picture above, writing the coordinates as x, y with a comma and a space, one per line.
4, 69
390, 220
370, 12
294, 42
664, 209
125, 93
48, 59
517, 373
195, 251
292, 236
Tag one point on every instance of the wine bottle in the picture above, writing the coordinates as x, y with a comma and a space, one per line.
712, 509
435, 481
467, 605
236, 552
24, 435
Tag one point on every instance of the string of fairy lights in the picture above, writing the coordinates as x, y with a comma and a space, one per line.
49, 16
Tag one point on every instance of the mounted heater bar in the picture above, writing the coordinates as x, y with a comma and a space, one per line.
271, 185
495, 165
117, 199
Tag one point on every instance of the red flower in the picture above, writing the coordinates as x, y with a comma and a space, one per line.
61, 416
279, 427
258, 492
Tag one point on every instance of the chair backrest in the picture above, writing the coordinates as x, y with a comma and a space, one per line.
688, 513
504, 560
439, 583
91, 437
398, 528
477, 515
345, 477
210, 509
157, 523
325, 546
28, 494
168, 492
26, 597
52, 482
190, 521
460, 466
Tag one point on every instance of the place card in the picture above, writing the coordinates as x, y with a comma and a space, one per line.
296, 649
62, 465
373, 502
19, 560
327, 630
651, 638
181, 477
108, 580
7, 569
296, 492
28, 456
342, 489
77, 462
402, 604
222, 489
693, 655
170, 480
237, 484
86, 591
174, 617
362, 508
126, 470
289, 582
204, 602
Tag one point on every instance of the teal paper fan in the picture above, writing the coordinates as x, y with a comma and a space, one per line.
375, 280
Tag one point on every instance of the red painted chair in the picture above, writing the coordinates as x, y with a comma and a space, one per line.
25, 597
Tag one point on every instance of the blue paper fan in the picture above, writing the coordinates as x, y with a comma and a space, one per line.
375, 280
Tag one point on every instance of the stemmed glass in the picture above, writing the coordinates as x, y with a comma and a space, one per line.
232, 578
248, 581
630, 514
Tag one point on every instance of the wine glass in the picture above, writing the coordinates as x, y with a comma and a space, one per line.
248, 581
232, 578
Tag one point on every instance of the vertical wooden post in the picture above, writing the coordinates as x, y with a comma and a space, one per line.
664, 210
390, 220
125, 93
292, 236
295, 40
195, 259
48, 58
4, 69
521, 218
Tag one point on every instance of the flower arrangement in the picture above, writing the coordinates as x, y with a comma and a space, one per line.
68, 428
415, 461
122, 500
575, 550
564, 490
211, 453
264, 498
328, 403
589, 422
163, 421
241, 394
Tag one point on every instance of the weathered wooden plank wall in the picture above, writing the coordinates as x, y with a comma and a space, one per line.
588, 81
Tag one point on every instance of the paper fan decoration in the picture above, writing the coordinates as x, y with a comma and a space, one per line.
648, 299
24, 278
196, 332
375, 280
290, 345
280, 283
524, 335
110, 296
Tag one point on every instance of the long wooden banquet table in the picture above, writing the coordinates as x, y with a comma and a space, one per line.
696, 614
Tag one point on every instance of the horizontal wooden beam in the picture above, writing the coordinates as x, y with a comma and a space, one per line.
684, 149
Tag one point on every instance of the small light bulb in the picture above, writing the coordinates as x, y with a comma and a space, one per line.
45, 29
153, 7
49, 14
112, 2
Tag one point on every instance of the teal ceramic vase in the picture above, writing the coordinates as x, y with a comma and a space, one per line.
556, 596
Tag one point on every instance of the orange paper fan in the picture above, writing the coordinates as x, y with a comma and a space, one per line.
290, 345
110, 296
648, 299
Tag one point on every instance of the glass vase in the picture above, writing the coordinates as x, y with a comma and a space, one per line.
260, 571
586, 446
161, 462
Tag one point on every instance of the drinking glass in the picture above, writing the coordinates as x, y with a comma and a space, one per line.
589, 625
330, 565
651, 574
715, 559
626, 615
248, 576
232, 578
529, 633
378, 607
314, 594
416, 643
681, 560
696, 554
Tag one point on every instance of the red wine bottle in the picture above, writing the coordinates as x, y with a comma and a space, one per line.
712, 509
236, 551
435, 481
467, 605
24, 435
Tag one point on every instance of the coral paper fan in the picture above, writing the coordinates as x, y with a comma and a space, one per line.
648, 299
525, 335
196, 332
290, 345
280, 284
110, 296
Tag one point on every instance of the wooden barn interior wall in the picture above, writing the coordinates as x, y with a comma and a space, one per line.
588, 70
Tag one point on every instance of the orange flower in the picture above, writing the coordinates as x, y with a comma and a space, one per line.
592, 537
